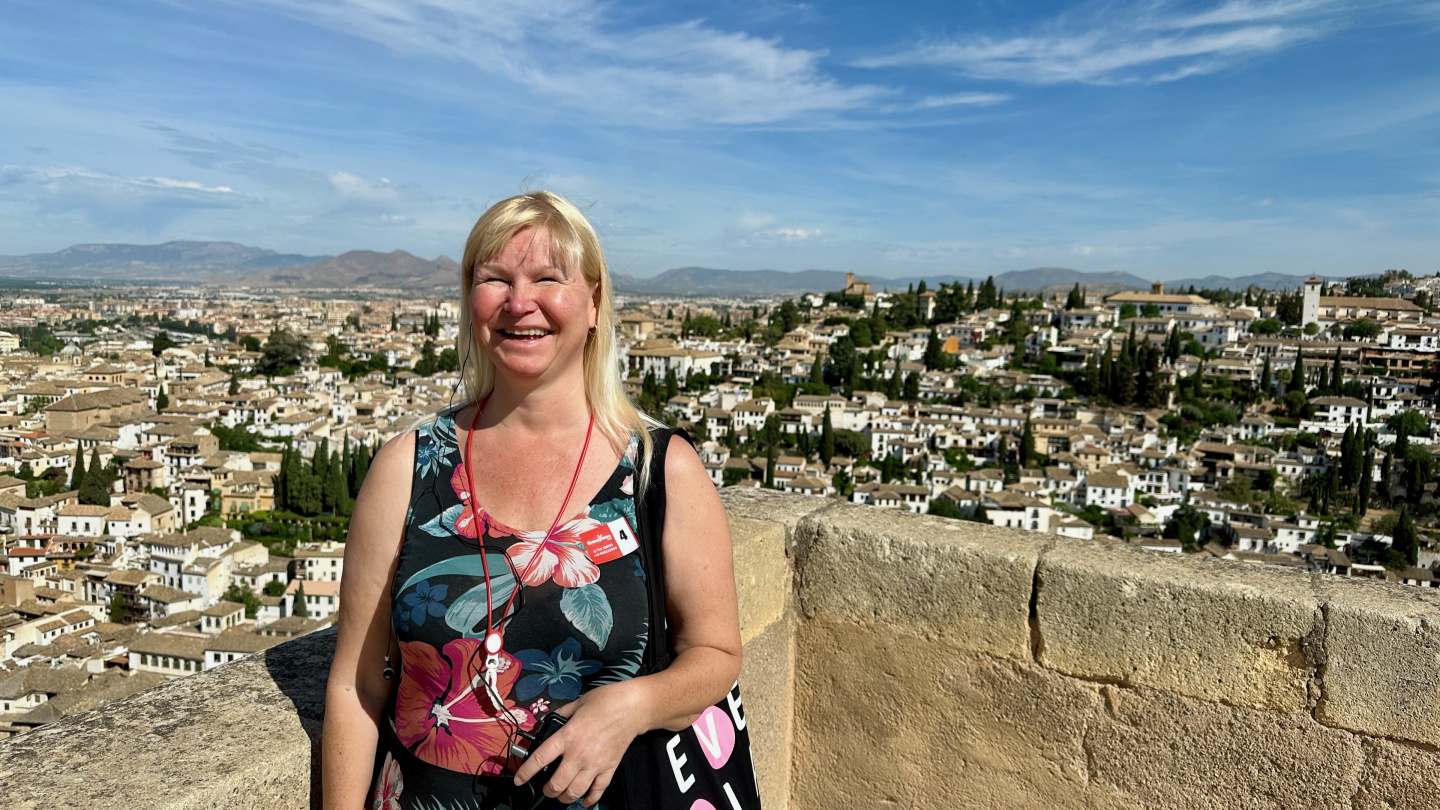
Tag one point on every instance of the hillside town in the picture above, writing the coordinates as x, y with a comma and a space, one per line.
177, 467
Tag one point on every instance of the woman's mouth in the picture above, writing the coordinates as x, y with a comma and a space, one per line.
525, 335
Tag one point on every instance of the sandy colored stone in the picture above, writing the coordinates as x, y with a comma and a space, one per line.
762, 573
767, 676
889, 718
968, 581
1239, 634
1167, 751
1398, 776
787, 509
1382, 650
240, 737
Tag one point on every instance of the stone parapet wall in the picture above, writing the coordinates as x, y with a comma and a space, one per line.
901, 660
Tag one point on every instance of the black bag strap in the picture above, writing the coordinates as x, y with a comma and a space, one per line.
658, 653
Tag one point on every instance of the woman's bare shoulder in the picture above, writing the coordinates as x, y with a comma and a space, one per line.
384, 498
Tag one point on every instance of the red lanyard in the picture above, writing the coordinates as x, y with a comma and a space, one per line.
495, 638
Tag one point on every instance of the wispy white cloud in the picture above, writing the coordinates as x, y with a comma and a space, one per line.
571, 52
961, 100
1147, 43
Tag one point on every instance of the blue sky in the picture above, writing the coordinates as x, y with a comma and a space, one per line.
1166, 139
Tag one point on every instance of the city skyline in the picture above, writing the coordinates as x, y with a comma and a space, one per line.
1161, 139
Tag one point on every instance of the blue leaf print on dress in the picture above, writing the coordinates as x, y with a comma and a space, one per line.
426, 600
435, 451
559, 671
443, 524
614, 510
588, 609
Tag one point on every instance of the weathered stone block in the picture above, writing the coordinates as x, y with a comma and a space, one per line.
1398, 776
240, 737
786, 509
1382, 652
767, 676
1175, 752
968, 581
888, 717
1228, 632
762, 573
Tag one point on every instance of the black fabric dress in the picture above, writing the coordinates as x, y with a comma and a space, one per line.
580, 620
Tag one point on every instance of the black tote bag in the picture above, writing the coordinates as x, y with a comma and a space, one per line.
706, 766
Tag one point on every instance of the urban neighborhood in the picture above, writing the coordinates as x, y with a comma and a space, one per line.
177, 467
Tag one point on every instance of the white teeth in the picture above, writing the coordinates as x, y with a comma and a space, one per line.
526, 332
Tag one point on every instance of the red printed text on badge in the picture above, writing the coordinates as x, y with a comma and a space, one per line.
609, 541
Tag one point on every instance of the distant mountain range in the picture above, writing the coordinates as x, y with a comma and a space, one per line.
235, 264
172, 261
396, 270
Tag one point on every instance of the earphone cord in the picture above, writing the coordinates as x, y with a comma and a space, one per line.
474, 505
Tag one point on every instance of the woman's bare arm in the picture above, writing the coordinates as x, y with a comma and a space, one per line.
699, 593
357, 691
705, 630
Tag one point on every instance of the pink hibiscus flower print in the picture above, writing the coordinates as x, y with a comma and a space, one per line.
444, 714
389, 787
471, 521
561, 556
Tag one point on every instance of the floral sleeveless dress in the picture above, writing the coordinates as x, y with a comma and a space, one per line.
581, 620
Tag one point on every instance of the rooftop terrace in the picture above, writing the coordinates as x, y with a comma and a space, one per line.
902, 660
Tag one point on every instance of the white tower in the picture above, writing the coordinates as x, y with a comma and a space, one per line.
1310, 308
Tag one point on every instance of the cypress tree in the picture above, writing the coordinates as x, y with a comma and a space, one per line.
77, 475
1406, 541
827, 438
95, 490
912, 386
347, 468
1265, 379
1027, 445
932, 351
320, 467
1337, 377
1323, 387
1297, 376
301, 609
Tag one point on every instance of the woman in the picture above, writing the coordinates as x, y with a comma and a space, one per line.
435, 539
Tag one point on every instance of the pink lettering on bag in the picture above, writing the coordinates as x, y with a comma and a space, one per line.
716, 735
701, 804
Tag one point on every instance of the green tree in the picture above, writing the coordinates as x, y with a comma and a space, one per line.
281, 355
1027, 445
241, 594
77, 475
95, 490
912, 387
1297, 376
1407, 540
162, 342
827, 438
933, 356
274, 588
301, 609
117, 609
1265, 382
162, 400
1362, 497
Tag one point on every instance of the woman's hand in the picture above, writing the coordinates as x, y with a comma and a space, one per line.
601, 725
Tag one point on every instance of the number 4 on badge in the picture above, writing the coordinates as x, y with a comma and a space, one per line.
609, 541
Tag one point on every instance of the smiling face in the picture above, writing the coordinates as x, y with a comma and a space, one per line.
531, 314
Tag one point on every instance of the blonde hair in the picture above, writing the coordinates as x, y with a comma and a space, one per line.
574, 245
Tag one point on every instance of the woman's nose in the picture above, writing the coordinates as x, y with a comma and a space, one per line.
521, 300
